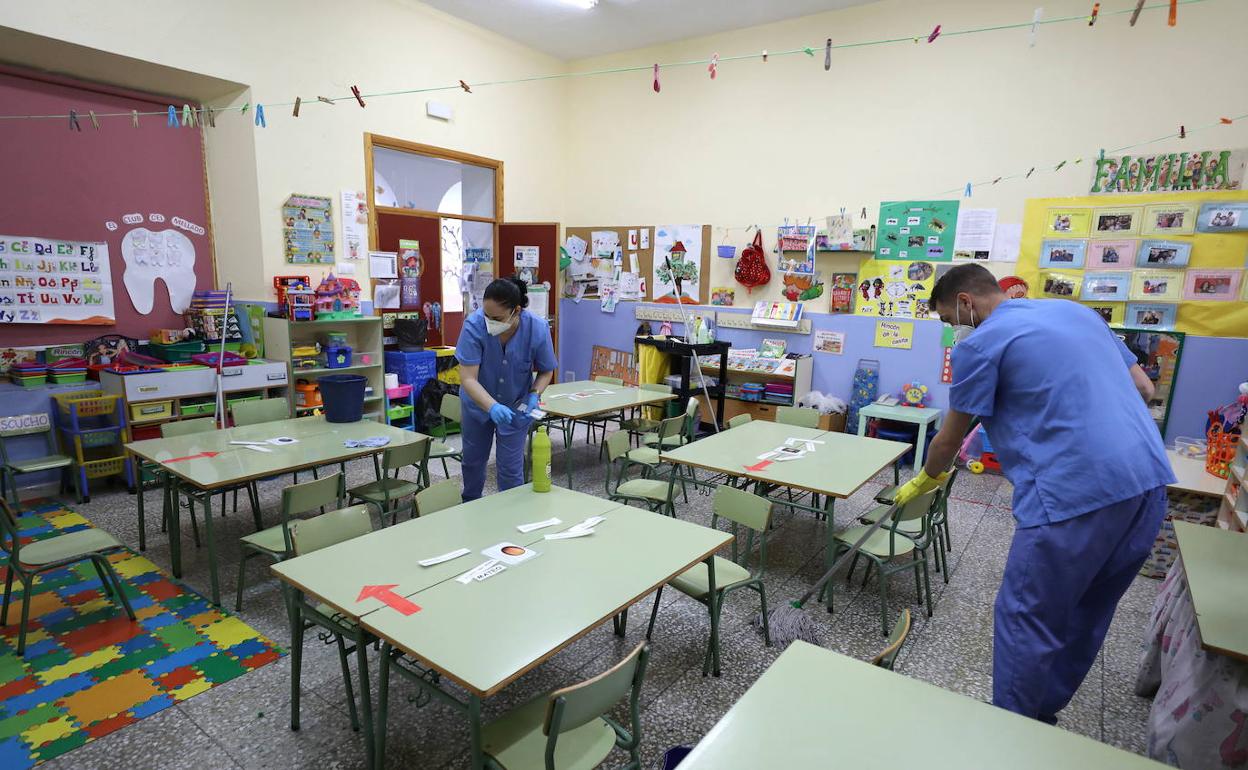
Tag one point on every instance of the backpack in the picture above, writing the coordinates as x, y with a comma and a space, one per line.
752, 267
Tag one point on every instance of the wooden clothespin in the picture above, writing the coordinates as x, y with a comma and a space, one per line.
134, 118
298, 101
998, 179
95, 122
1225, 121
1174, 13
325, 99
464, 86
827, 55
73, 121
210, 116
935, 34
1029, 173
1058, 167
864, 212
764, 56
355, 91
656, 86
1096, 11
1135, 15
1182, 132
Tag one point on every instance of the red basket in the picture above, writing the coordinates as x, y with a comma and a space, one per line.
1221, 450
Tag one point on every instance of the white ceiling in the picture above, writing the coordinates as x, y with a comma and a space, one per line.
563, 30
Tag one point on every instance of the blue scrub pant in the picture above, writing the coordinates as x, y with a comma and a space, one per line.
1062, 584
478, 431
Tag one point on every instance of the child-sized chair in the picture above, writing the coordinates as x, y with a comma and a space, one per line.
28, 561
436, 497
654, 494
450, 410
51, 461
887, 657
801, 416
388, 491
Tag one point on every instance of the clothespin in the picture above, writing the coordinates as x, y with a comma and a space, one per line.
1058, 167
243, 110
1096, 11
1029, 173
210, 116
1101, 157
95, 122
1135, 15
713, 66
355, 91
134, 118
935, 34
764, 56
827, 55
260, 121
1078, 161
968, 190
1174, 13
998, 179
298, 101
464, 86
1035, 24
188, 116
1182, 132
809, 51
325, 99
864, 212
172, 121
73, 121
1225, 121
657, 87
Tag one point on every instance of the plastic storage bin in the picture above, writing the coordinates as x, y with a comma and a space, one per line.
412, 368
177, 352
343, 395
149, 411
337, 356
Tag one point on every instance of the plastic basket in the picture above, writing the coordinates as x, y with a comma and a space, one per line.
1221, 451
100, 438
399, 391
179, 351
63, 377
86, 403
401, 412
98, 469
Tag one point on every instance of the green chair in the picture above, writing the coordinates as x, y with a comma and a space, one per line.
887, 546
28, 561
275, 542
801, 416
744, 509
570, 728
887, 657
637, 425
390, 488
739, 420
939, 523
263, 410
653, 493
450, 410
600, 420
692, 407
437, 497
52, 461
310, 535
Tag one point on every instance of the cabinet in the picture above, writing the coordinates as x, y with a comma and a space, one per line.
183, 392
286, 341
1233, 510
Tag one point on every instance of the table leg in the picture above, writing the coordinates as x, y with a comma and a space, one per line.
383, 707
567, 450
173, 515
919, 443
474, 724
212, 550
714, 602
366, 700
296, 652
862, 424
830, 545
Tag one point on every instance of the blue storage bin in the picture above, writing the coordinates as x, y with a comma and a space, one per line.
412, 368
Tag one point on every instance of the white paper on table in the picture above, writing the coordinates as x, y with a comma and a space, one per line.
589, 523
383, 264
527, 256
645, 238
975, 230
432, 560
509, 553
575, 246
527, 528
480, 569
386, 296
569, 534
1006, 243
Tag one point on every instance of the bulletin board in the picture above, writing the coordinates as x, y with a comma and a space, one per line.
645, 257
1208, 251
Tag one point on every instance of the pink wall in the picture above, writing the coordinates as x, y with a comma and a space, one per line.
66, 184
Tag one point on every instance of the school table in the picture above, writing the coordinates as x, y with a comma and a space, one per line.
485, 634
1190, 476
817, 708
1195, 660
557, 402
208, 461
391, 556
837, 468
919, 415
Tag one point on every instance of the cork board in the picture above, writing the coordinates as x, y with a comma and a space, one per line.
645, 257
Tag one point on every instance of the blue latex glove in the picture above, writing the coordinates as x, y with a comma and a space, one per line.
533, 401
501, 415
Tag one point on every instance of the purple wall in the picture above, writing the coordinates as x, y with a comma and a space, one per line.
1210, 372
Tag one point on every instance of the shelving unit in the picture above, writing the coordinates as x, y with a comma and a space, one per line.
682, 355
364, 336
1233, 507
762, 410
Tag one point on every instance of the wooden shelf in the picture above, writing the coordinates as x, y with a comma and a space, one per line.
750, 373
335, 370
327, 321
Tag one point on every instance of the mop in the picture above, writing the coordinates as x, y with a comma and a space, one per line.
219, 408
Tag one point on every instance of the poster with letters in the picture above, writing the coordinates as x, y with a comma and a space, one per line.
52, 281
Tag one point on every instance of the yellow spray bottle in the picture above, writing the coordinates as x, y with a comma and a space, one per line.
541, 461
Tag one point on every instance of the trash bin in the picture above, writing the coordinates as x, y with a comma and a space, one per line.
343, 396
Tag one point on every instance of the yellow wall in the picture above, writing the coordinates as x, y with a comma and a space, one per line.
785, 139
282, 48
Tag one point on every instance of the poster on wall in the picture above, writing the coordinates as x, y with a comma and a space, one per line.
1101, 286
677, 254
1200, 171
797, 249
829, 342
1223, 217
895, 289
1068, 223
917, 230
1164, 254
1211, 285
354, 224
50, 281
1157, 285
308, 229
976, 230
898, 335
1169, 219
1116, 222
1159, 317
1110, 255
1063, 253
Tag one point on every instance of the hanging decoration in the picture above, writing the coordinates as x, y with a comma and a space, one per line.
713, 66
935, 34
752, 270
657, 87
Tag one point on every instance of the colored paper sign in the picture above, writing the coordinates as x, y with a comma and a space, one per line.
898, 335
526, 256
386, 595
1156, 285
895, 289
1141, 315
917, 230
1068, 223
1201, 171
829, 342
308, 227
1211, 285
1116, 222
1111, 255
51, 281
1063, 253
1169, 219
23, 422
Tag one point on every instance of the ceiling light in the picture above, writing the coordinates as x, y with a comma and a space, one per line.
584, 5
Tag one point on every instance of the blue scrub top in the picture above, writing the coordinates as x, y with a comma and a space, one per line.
506, 373
1052, 386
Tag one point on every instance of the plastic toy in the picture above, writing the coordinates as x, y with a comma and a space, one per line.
298, 301
977, 452
281, 283
915, 394
337, 298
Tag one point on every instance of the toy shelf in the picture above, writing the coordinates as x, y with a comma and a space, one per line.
1233, 508
364, 337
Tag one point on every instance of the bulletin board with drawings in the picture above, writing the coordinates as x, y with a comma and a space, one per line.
646, 236
609, 362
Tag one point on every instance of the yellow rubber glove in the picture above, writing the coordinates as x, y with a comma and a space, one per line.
919, 485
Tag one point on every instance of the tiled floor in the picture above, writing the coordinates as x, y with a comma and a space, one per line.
245, 723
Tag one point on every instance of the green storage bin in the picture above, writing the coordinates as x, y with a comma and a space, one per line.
30, 381
177, 352
61, 378
197, 408
401, 412
231, 402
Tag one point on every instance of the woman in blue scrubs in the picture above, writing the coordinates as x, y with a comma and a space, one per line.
499, 349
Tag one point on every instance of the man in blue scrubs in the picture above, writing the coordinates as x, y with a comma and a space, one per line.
500, 347
1064, 403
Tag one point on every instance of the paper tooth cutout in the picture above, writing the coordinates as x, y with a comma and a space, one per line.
657, 87
73, 121
935, 34
355, 91
172, 121
260, 121
827, 55
1135, 15
713, 66
167, 255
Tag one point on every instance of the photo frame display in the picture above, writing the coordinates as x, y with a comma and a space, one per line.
1068, 223
1111, 255
1169, 219
1211, 285
1062, 285
1116, 221
1223, 217
1112, 313
1163, 254
1156, 286
1152, 316
1106, 287
1063, 253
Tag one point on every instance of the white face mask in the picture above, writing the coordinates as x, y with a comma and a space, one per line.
960, 330
496, 328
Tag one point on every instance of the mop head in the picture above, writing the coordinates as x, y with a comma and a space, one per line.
789, 624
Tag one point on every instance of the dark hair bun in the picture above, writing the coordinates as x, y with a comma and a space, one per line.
524, 289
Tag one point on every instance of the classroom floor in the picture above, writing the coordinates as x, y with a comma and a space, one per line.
245, 722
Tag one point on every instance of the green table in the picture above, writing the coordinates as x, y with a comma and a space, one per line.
556, 403
208, 461
1215, 562
817, 708
486, 634
920, 416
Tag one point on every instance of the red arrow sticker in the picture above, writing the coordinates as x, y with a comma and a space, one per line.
192, 457
386, 595
758, 466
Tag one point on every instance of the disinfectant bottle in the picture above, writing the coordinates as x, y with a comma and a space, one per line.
541, 461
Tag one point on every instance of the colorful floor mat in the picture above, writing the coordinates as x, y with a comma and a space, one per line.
88, 670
